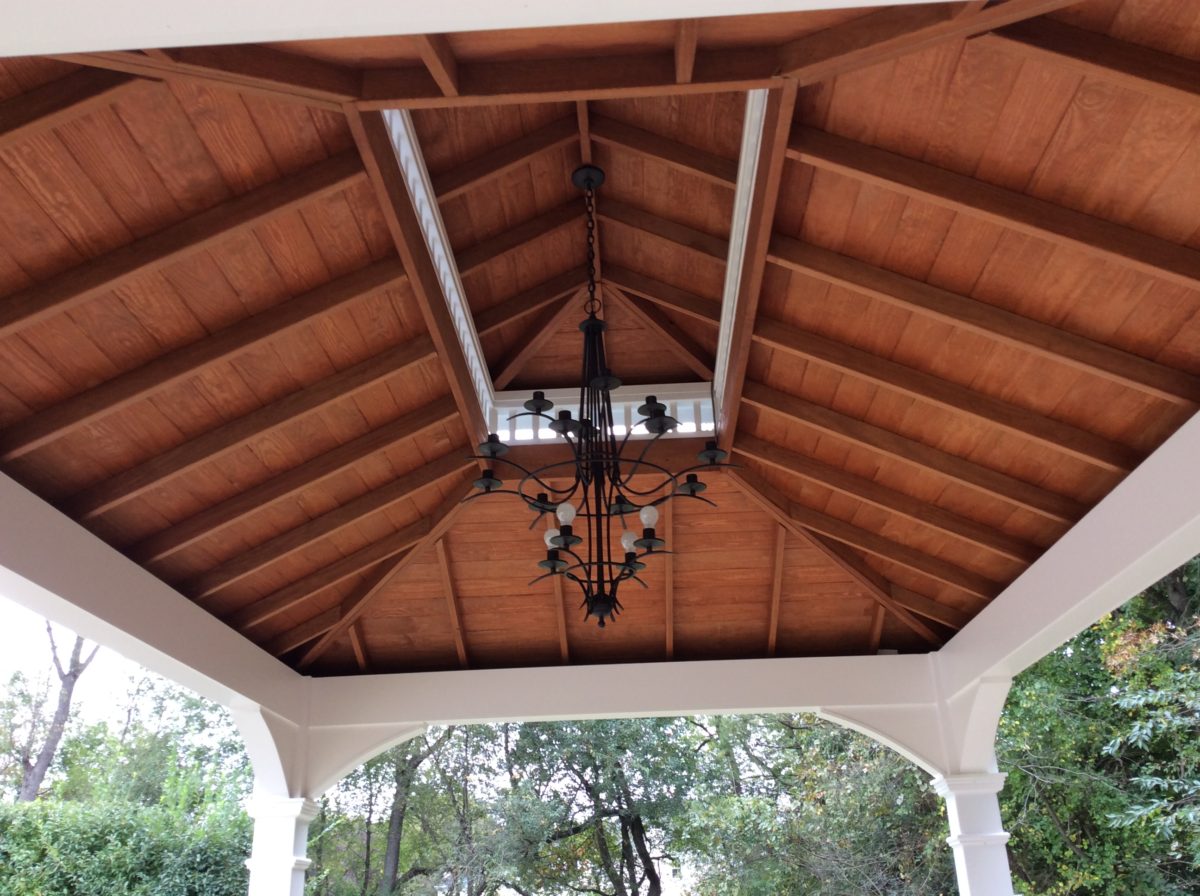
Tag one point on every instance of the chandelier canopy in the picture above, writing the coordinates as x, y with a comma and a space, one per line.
599, 486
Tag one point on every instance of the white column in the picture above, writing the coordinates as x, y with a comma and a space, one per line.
977, 834
278, 857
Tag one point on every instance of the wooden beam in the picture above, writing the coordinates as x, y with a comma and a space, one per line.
870, 492
686, 37
439, 60
540, 332
493, 164
665, 295
77, 285
451, 601
303, 633
299, 592
244, 68
1063, 437
237, 507
374, 142
44, 108
875, 638
671, 231
1077, 352
534, 299
1007, 208
731, 365
128, 484
672, 338
358, 645
713, 168
893, 32
777, 587
668, 527
930, 609
182, 363
984, 480
284, 545
357, 603
1094, 55
474, 257
583, 126
874, 584
489, 83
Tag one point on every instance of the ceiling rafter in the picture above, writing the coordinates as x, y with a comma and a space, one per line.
929, 608
875, 638
1008, 208
439, 61
475, 257
627, 215
374, 142
538, 333
187, 361
44, 108
306, 631
237, 507
134, 481
984, 480
584, 127
76, 285
1041, 339
443, 562
876, 587
713, 168
867, 491
531, 300
675, 340
495, 163
1148, 71
359, 645
777, 557
687, 34
403, 488
360, 600
297, 593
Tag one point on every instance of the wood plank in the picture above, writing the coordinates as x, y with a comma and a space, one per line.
378, 156
666, 295
358, 645
1094, 55
1007, 208
1060, 436
297, 593
876, 635
672, 338
534, 299
245, 68
777, 587
93, 278
713, 168
583, 126
357, 603
488, 250
893, 32
1059, 508
875, 585
439, 60
215, 443
303, 633
451, 601
491, 165
731, 366
232, 510
706, 243
686, 36
44, 108
1067, 348
870, 492
540, 332
182, 363
208, 583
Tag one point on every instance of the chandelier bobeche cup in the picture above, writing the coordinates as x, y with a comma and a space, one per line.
594, 491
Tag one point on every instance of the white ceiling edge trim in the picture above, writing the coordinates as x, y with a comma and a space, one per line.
1146, 527
743, 199
407, 150
56, 568
68, 26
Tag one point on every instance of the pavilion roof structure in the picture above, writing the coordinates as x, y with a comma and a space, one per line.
964, 304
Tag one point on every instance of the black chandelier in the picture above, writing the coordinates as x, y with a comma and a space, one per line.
597, 482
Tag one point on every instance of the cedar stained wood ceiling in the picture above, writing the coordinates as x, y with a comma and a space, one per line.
970, 305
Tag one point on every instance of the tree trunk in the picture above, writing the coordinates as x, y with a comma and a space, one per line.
34, 772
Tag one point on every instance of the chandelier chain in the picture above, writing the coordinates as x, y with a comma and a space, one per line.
589, 197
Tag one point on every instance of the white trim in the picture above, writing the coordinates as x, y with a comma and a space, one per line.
743, 200
68, 26
411, 163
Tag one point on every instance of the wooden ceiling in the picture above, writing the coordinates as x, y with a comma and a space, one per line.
970, 305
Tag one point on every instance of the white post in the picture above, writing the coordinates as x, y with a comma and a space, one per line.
977, 834
278, 857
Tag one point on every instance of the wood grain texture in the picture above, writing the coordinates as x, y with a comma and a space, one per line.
439, 60
44, 108
495, 163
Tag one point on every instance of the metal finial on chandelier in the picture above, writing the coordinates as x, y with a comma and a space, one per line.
598, 485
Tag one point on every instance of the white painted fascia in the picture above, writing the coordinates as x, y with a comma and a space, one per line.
68, 26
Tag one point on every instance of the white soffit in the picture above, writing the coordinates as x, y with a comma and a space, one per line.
68, 26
